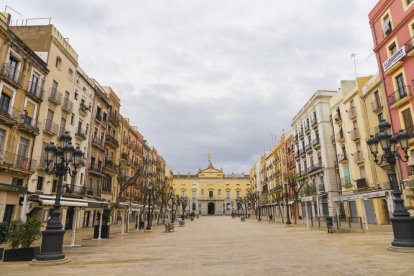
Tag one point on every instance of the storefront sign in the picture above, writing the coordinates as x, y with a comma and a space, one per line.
372, 195
11, 188
97, 205
392, 60
307, 198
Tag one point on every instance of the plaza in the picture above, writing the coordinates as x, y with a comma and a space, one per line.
220, 245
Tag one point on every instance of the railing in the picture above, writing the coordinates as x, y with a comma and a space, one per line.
400, 94
55, 96
10, 72
114, 117
51, 127
16, 161
315, 167
358, 157
307, 127
76, 189
300, 132
314, 121
112, 140
376, 104
308, 147
67, 105
302, 151
110, 164
95, 168
354, 134
346, 181
35, 90
80, 133
352, 112
340, 222
83, 108
97, 142
8, 112
28, 123
361, 183
321, 188
98, 117
409, 45
315, 142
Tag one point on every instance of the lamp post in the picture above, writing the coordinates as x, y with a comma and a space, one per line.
149, 222
402, 223
58, 160
224, 205
287, 204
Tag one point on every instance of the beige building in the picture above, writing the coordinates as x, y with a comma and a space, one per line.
21, 84
356, 111
210, 191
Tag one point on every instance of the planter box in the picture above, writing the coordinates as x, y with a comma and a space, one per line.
20, 254
104, 232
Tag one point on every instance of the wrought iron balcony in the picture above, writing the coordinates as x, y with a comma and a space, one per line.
35, 91
98, 142
67, 105
316, 143
401, 96
361, 183
354, 134
95, 168
12, 161
74, 190
376, 104
28, 124
8, 115
352, 114
55, 97
50, 127
109, 164
114, 117
112, 141
12, 74
81, 134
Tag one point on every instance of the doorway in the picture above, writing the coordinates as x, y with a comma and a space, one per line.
69, 218
210, 208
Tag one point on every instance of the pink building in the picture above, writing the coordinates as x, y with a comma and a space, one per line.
392, 26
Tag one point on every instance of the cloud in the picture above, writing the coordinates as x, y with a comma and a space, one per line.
214, 76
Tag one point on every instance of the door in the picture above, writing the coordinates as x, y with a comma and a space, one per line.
369, 212
8, 214
353, 211
211, 208
49, 120
69, 218
400, 85
4, 103
22, 160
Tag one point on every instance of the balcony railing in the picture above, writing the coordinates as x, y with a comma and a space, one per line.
352, 114
14, 161
314, 122
308, 147
376, 104
315, 142
358, 157
67, 105
28, 124
12, 73
112, 141
315, 167
8, 114
399, 95
114, 117
110, 165
81, 134
361, 183
98, 142
410, 131
307, 127
95, 168
74, 190
83, 108
354, 134
54, 96
35, 91
51, 127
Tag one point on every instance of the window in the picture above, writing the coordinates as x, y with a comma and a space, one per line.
237, 194
17, 182
194, 194
202, 192
72, 119
54, 185
210, 194
2, 137
392, 49
98, 113
399, 80
39, 185
183, 193
386, 24
34, 83
70, 74
227, 194
5, 100
219, 192
76, 95
58, 63
408, 121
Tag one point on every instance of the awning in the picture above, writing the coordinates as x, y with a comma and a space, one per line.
64, 203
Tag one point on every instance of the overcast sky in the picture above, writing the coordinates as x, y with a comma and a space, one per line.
219, 76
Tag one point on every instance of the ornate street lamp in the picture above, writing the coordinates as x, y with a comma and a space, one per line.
149, 222
402, 223
287, 204
58, 161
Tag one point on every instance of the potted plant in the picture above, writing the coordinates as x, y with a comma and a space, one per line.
22, 234
106, 215
3, 236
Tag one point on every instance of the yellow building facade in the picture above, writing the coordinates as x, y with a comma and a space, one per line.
211, 191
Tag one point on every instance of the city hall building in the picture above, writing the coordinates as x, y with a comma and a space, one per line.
210, 191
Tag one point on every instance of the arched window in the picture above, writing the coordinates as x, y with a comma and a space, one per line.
70, 74
58, 63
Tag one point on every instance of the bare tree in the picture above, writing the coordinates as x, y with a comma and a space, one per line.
277, 195
253, 198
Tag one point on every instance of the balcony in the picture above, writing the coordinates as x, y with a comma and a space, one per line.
35, 91
337, 117
352, 114
315, 167
400, 97
50, 128
314, 122
9, 115
81, 134
109, 164
95, 169
354, 134
74, 190
55, 97
358, 157
339, 137
93, 193
11, 74
67, 105
114, 117
124, 156
111, 141
308, 148
302, 152
16, 162
409, 47
28, 125
316, 143
125, 140
83, 109
321, 188
342, 158
307, 128
300, 133
361, 184
376, 105
98, 143
346, 181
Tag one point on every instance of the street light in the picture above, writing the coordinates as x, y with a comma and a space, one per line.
223, 208
149, 222
58, 161
287, 205
402, 223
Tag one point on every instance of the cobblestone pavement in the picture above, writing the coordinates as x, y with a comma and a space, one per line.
226, 246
